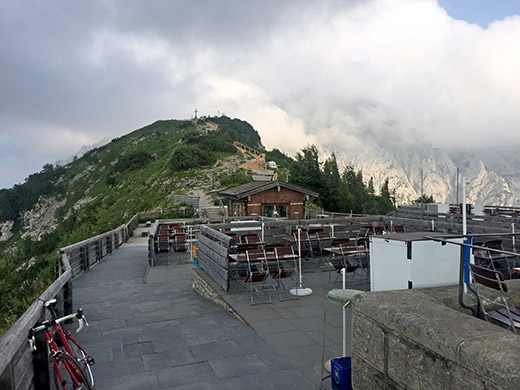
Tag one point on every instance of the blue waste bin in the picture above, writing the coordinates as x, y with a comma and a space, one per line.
340, 373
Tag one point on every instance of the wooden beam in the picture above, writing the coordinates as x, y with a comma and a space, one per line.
215, 235
221, 261
214, 246
209, 266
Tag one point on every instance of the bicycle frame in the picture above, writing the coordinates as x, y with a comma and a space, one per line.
59, 343
54, 349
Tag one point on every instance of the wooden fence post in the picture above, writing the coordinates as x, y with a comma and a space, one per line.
68, 306
98, 250
40, 361
109, 243
82, 258
87, 251
57, 268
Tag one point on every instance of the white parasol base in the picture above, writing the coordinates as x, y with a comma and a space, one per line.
300, 291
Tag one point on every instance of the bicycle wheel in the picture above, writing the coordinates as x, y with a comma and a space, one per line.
68, 375
82, 359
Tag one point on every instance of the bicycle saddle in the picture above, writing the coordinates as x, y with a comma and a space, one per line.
50, 302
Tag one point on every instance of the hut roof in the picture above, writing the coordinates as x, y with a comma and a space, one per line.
254, 187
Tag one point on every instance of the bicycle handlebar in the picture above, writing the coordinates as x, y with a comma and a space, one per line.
82, 320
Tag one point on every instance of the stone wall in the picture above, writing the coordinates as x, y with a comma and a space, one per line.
422, 339
208, 289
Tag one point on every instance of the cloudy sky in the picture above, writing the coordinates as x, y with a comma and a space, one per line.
302, 72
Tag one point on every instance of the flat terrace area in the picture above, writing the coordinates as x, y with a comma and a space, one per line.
150, 330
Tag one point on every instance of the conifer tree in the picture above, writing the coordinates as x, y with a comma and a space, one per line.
336, 195
306, 171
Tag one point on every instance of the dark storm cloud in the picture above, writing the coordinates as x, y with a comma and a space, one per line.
73, 73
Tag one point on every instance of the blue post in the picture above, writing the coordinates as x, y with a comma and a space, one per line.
467, 252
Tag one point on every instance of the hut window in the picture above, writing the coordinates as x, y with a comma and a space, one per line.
268, 211
282, 211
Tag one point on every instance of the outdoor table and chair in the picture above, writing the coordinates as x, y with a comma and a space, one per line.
309, 245
260, 271
350, 256
249, 242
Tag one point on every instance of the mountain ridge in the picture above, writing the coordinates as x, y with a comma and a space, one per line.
493, 173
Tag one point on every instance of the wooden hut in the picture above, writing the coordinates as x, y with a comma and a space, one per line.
267, 199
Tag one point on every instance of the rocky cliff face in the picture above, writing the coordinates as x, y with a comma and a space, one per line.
494, 175
5, 230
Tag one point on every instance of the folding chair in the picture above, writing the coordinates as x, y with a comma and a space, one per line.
250, 239
239, 272
378, 230
340, 259
272, 265
285, 256
363, 259
179, 243
364, 232
356, 256
398, 229
258, 272
494, 260
337, 241
324, 240
273, 245
495, 280
309, 246
163, 245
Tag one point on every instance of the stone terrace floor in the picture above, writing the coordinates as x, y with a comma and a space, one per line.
150, 330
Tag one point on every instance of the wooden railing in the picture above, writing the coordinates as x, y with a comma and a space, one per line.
321, 214
214, 248
255, 153
16, 362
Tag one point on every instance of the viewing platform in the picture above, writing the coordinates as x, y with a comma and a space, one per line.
158, 322
150, 330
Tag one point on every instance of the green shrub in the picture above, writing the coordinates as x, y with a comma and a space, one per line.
133, 161
212, 142
110, 180
234, 179
190, 156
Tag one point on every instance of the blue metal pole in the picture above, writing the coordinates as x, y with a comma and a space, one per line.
467, 253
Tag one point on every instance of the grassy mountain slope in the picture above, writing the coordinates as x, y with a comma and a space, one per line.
103, 189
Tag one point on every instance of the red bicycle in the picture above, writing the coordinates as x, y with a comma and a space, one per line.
71, 362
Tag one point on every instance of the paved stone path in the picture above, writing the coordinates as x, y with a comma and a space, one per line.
163, 335
295, 329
